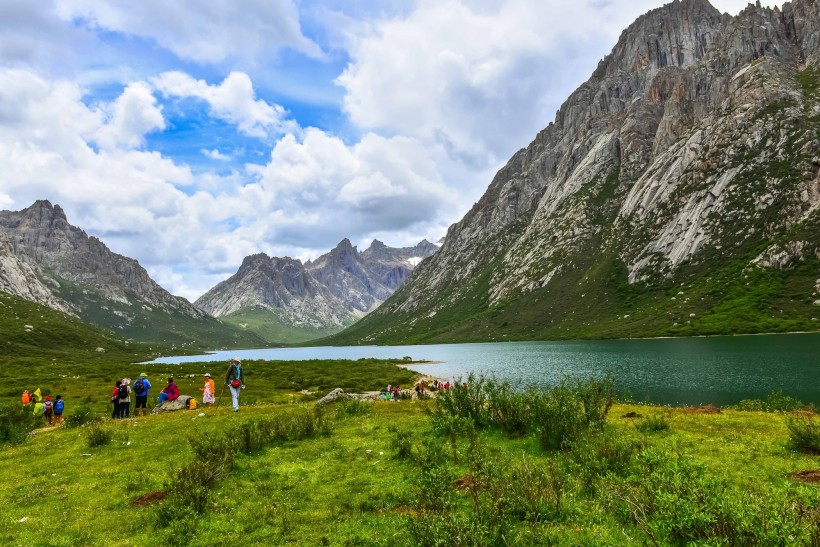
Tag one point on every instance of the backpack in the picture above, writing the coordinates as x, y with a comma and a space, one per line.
122, 392
48, 408
139, 387
58, 407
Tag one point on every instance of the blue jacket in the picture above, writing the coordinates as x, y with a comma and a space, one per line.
147, 385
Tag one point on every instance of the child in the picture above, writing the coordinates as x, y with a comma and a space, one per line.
208, 391
48, 410
59, 406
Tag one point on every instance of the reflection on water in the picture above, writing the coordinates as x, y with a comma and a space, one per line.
717, 370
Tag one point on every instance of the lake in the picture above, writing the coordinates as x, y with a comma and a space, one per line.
711, 370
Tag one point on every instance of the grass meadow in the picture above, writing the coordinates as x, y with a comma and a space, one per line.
485, 465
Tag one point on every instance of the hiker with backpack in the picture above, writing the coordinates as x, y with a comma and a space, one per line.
235, 381
124, 394
140, 389
115, 399
48, 410
59, 407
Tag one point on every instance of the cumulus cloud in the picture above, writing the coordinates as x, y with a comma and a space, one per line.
129, 118
208, 32
233, 100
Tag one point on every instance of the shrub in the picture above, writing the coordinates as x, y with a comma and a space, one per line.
777, 401
353, 407
80, 417
653, 424
99, 436
16, 422
804, 434
402, 442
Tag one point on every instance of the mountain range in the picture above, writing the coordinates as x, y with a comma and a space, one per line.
284, 300
675, 193
46, 260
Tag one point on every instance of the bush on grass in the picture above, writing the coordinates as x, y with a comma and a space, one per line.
804, 434
653, 424
84, 415
98, 436
16, 422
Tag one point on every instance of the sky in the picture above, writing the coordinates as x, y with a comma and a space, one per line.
190, 134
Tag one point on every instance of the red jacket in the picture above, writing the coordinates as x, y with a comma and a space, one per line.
172, 390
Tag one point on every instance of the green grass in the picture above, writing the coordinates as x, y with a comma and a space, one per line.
389, 475
267, 325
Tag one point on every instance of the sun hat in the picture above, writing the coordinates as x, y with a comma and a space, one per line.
143, 374
207, 374
236, 360
48, 398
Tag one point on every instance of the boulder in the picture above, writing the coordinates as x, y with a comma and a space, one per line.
333, 396
177, 404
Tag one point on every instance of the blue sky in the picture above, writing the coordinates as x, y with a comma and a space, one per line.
190, 134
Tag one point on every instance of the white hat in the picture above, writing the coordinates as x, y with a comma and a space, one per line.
236, 360
207, 374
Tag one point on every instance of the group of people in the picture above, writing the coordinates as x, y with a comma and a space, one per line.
435, 386
123, 389
50, 410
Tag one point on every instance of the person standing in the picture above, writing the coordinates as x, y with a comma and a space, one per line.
125, 398
140, 389
235, 381
115, 398
48, 411
209, 391
59, 406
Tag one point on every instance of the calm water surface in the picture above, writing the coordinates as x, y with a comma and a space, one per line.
719, 370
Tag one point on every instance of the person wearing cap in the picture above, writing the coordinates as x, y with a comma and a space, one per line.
140, 389
48, 410
208, 391
235, 381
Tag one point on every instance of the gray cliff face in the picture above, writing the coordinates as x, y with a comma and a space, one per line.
332, 291
692, 138
49, 261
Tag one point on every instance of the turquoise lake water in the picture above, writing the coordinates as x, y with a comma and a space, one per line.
716, 370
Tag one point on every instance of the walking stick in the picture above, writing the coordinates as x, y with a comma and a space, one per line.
221, 391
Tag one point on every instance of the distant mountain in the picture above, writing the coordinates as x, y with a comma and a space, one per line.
677, 192
45, 259
285, 300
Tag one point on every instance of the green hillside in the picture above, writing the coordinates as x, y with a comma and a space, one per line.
139, 322
30, 332
269, 327
591, 298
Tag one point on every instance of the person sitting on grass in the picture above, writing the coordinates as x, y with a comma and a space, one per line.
170, 392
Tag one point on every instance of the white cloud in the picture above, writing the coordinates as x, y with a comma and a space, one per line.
130, 117
216, 155
215, 31
233, 100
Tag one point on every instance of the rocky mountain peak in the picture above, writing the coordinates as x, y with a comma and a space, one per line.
677, 34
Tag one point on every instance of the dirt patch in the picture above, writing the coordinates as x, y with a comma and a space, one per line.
632, 415
149, 498
806, 476
467, 482
704, 409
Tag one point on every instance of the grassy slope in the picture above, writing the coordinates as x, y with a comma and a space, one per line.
267, 326
327, 490
145, 324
